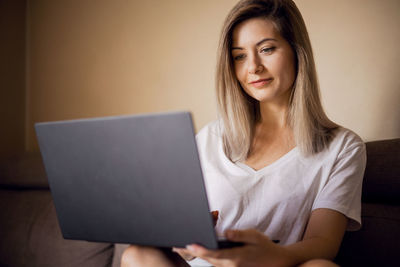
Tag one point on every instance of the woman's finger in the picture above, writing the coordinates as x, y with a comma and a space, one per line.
199, 251
184, 253
202, 252
250, 236
215, 214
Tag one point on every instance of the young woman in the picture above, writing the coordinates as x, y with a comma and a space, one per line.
275, 166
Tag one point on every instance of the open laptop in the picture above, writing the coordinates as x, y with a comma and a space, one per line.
128, 179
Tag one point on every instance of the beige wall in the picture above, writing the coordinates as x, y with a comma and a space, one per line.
356, 44
92, 58
97, 58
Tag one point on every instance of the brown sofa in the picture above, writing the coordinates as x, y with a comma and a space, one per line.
378, 241
29, 231
30, 236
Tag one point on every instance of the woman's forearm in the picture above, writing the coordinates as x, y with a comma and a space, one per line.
312, 248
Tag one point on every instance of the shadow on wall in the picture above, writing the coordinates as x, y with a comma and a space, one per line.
397, 105
388, 120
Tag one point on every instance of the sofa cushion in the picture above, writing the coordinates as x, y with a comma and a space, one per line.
26, 171
118, 250
378, 240
382, 174
30, 235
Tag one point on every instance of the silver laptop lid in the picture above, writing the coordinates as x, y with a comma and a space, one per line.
128, 179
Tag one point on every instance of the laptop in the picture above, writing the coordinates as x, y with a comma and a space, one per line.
128, 179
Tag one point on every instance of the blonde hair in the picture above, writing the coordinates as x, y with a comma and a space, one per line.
239, 113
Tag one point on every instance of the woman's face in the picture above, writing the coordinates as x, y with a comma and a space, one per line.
264, 61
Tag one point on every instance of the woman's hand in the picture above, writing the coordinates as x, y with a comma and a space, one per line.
184, 253
258, 250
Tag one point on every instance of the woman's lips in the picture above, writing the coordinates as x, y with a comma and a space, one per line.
260, 83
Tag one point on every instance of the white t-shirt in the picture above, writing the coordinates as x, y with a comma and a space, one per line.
279, 198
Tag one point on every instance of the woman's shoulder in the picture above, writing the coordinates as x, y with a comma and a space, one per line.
212, 128
345, 140
209, 136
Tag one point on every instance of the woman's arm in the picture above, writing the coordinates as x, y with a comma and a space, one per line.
321, 240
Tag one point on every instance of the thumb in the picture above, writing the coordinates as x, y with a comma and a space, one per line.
250, 236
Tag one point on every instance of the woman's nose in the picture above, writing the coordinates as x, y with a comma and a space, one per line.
255, 65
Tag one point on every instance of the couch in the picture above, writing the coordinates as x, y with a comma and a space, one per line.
29, 231
378, 241
30, 235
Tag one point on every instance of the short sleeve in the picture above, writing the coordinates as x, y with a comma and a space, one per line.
342, 192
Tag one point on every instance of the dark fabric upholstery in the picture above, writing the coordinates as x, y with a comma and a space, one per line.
29, 230
30, 235
381, 179
378, 241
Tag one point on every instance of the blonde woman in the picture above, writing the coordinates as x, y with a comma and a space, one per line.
275, 166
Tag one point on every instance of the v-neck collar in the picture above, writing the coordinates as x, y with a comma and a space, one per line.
271, 166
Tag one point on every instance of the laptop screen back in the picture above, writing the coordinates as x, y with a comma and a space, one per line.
129, 179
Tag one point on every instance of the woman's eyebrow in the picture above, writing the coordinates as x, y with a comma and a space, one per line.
265, 40
257, 44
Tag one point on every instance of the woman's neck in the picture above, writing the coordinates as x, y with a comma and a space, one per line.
273, 116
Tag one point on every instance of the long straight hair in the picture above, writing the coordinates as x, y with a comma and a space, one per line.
239, 113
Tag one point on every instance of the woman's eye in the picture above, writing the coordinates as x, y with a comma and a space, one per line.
267, 50
239, 57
